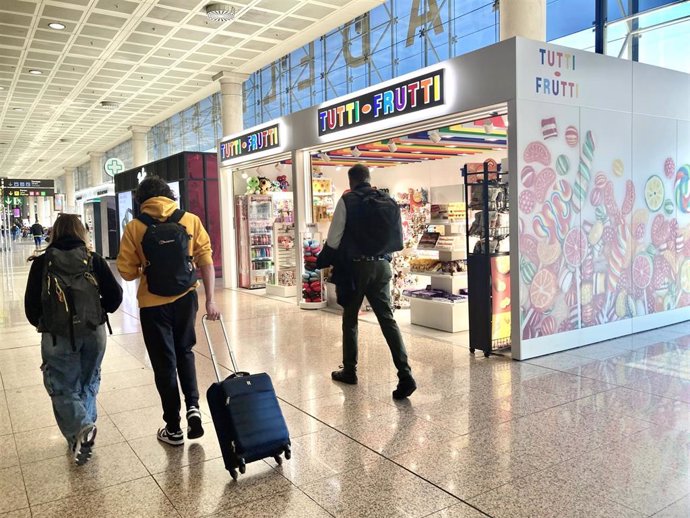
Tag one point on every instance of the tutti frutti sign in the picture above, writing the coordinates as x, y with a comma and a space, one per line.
419, 93
262, 139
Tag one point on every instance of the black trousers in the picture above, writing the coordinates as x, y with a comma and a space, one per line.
169, 336
372, 279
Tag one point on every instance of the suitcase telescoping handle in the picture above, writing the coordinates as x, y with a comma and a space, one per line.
204, 323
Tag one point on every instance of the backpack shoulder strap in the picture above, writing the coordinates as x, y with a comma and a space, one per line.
146, 219
176, 216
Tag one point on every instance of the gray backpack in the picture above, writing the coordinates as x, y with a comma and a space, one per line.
70, 297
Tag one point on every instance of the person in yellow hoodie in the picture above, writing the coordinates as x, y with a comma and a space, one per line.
167, 321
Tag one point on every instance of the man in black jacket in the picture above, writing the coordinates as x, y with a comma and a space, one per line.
370, 277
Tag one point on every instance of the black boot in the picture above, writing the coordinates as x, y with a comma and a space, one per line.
405, 388
345, 376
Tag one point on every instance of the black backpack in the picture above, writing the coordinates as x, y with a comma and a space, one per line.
70, 296
169, 268
375, 221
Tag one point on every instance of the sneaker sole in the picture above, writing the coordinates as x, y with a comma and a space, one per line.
195, 430
171, 442
84, 446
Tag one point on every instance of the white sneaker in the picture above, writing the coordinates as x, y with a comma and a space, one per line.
173, 438
84, 445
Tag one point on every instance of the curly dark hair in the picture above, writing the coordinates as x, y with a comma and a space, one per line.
153, 186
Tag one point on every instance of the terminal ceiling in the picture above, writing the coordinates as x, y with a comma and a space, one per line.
152, 57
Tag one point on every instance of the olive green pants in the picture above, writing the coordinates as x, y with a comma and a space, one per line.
372, 279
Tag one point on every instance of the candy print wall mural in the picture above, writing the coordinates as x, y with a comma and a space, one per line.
600, 241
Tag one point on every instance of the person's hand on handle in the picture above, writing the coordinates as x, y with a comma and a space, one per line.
212, 311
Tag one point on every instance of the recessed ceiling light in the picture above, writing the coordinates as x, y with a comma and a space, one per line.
18, 109
35, 72
418, 152
220, 12
56, 26
2, 87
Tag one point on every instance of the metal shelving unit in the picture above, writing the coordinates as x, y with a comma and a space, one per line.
480, 253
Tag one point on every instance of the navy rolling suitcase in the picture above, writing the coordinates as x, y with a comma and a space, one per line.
247, 417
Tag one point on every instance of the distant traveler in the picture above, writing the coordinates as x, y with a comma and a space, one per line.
68, 294
164, 246
366, 229
15, 231
37, 232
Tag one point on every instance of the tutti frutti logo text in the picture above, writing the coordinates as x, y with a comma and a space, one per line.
419, 93
253, 142
553, 83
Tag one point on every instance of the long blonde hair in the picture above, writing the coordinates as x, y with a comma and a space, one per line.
66, 226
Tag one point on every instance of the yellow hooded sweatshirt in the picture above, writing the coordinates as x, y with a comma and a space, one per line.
131, 257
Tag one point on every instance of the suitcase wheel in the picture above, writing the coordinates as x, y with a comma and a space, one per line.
233, 473
278, 459
242, 466
288, 452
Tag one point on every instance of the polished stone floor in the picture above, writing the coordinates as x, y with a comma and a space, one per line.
602, 431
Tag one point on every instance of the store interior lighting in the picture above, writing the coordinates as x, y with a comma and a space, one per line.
488, 126
57, 26
392, 147
356, 152
325, 157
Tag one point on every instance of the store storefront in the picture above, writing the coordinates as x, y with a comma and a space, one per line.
517, 158
193, 177
257, 190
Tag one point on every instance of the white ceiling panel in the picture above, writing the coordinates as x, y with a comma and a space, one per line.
154, 57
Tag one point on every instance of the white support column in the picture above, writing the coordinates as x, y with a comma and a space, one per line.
526, 18
233, 122
231, 101
140, 149
68, 183
95, 169
31, 200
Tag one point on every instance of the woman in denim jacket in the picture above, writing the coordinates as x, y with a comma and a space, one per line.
72, 365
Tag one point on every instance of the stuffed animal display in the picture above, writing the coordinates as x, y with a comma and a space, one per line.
283, 183
264, 185
252, 185
312, 289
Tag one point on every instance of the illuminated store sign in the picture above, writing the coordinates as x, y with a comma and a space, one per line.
416, 94
249, 143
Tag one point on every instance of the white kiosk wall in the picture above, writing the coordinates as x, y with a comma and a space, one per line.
603, 229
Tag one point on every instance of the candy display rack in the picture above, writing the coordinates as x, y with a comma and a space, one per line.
486, 220
445, 264
313, 283
284, 282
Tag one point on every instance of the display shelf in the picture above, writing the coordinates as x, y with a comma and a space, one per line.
313, 282
486, 186
323, 194
262, 259
284, 283
438, 274
452, 255
444, 316
262, 246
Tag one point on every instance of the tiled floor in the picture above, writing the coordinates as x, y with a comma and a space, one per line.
602, 431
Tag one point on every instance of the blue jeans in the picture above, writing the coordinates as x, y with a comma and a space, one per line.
71, 376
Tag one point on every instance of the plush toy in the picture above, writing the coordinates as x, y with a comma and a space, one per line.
275, 186
264, 185
252, 185
283, 183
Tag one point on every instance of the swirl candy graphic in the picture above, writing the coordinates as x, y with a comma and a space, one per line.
682, 189
584, 172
